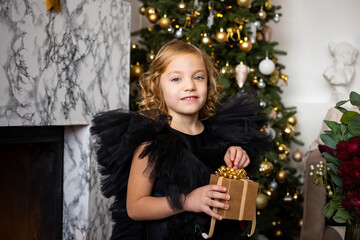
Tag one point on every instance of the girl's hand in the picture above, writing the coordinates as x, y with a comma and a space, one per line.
202, 198
236, 157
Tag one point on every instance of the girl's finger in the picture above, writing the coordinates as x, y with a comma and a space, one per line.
217, 204
218, 195
239, 155
216, 188
211, 213
232, 151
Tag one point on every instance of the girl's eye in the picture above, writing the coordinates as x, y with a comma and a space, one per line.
175, 79
198, 78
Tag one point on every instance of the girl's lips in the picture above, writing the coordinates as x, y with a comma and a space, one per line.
189, 98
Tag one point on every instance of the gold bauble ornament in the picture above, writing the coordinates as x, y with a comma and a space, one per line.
182, 7
292, 120
255, 80
261, 201
136, 71
150, 56
282, 148
164, 22
282, 156
224, 70
153, 17
262, 14
149, 10
288, 132
206, 40
270, 193
245, 45
281, 175
297, 196
243, 3
297, 155
220, 37
278, 233
268, 5
266, 168
134, 46
142, 10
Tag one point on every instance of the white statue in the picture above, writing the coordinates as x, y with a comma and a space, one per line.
341, 73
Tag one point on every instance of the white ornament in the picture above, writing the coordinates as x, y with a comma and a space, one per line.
241, 71
170, 29
179, 33
274, 185
276, 18
266, 66
262, 104
210, 19
253, 31
257, 24
261, 84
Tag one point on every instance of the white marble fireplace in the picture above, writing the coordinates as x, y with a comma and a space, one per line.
60, 69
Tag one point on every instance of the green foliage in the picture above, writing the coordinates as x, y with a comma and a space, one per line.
348, 128
355, 99
354, 125
330, 139
331, 159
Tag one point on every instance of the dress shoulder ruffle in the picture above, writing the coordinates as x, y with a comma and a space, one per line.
238, 123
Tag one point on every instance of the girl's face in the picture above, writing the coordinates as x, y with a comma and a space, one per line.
184, 85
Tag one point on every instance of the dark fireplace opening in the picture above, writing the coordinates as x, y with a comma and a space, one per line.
31, 182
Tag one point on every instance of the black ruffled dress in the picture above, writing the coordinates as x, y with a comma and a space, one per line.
181, 163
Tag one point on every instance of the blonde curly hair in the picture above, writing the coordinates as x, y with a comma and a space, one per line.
151, 95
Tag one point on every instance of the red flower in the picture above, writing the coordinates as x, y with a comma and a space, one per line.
345, 150
349, 171
354, 147
351, 202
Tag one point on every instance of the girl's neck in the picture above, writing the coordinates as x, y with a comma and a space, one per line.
191, 126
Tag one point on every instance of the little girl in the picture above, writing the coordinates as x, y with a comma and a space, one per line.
157, 163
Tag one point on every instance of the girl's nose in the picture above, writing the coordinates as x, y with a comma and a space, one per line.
189, 85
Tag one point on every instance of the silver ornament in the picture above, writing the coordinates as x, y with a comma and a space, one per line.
252, 35
262, 104
261, 84
179, 33
257, 24
276, 18
170, 29
271, 132
274, 185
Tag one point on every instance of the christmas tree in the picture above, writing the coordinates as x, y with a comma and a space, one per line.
236, 35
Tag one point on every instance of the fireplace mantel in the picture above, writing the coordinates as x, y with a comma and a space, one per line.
60, 69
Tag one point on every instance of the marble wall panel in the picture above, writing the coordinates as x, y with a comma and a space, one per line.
60, 68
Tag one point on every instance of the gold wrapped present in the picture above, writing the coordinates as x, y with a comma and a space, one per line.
242, 203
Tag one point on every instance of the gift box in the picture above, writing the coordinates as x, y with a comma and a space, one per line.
242, 202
